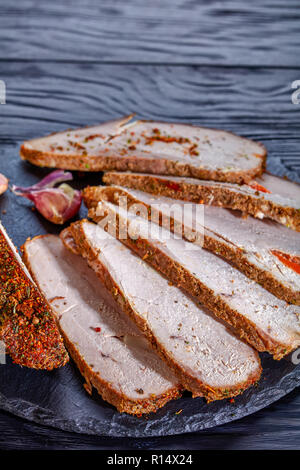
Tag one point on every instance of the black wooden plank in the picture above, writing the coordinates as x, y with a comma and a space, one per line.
276, 427
232, 32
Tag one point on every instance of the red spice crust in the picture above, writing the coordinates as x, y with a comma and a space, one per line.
27, 323
136, 163
223, 197
93, 379
93, 194
196, 386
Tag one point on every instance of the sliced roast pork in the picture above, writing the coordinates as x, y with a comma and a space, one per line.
262, 249
268, 324
107, 347
147, 146
27, 324
209, 359
268, 196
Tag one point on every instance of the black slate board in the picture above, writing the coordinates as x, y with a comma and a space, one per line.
58, 398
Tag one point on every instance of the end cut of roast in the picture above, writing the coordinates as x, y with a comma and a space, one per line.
27, 323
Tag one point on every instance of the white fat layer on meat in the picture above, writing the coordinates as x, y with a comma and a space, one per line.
118, 352
274, 317
201, 345
255, 237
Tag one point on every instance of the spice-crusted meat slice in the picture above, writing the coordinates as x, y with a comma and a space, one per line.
209, 359
27, 325
268, 196
155, 147
265, 251
268, 324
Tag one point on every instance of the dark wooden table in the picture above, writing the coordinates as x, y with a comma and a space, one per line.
224, 64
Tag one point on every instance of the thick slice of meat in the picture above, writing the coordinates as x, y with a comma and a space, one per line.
27, 324
155, 147
268, 324
107, 347
268, 196
261, 249
209, 360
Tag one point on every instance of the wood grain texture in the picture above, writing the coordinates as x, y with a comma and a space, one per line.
260, 32
43, 98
